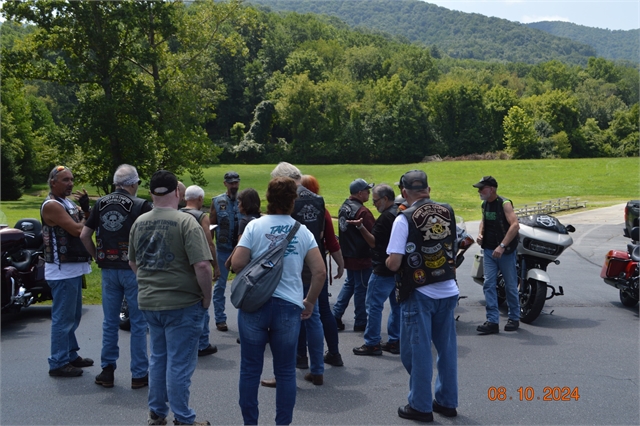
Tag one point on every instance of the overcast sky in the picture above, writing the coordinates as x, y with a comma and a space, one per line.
608, 14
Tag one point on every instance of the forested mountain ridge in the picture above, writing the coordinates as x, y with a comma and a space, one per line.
92, 85
457, 34
610, 44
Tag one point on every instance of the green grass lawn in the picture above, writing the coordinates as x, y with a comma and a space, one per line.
598, 181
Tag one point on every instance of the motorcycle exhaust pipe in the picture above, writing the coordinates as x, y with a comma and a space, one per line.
619, 284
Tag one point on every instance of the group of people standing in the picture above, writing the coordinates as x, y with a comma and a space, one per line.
163, 261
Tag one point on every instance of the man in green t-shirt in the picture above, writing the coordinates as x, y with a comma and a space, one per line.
170, 255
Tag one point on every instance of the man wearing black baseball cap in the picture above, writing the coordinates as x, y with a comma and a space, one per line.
422, 249
498, 237
224, 213
356, 253
169, 253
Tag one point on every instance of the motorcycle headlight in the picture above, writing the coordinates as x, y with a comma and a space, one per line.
542, 247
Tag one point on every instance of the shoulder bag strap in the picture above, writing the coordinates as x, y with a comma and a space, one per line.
293, 231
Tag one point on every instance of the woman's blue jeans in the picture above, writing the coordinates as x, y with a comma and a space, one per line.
278, 323
426, 320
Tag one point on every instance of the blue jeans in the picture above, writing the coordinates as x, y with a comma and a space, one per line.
379, 290
426, 320
329, 326
174, 351
219, 300
117, 284
355, 285
66, 311
203, 340
278, 323
507, 265
312, 336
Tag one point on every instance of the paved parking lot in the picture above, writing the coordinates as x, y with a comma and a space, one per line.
585, 341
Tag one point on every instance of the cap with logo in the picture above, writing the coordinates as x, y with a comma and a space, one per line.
486, 181
414, 179
231, 177
359, 185
163, 182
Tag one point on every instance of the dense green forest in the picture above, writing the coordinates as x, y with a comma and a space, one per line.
179, 86
610, 44
456, 34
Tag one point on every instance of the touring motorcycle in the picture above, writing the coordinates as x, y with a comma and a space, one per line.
23, 280
542, 239
620, 270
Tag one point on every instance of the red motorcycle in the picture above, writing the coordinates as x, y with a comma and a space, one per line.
22, 253
620, 270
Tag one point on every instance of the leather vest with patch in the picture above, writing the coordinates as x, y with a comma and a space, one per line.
496, 225
227, 219
308, 209
116, 214
352, 242
56, 239
430, 250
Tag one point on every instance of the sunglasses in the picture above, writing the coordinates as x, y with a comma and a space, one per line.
58, 170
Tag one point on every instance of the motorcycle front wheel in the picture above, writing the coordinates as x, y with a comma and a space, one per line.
532, 300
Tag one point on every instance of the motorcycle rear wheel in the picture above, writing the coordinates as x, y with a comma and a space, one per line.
532, 301
627, 300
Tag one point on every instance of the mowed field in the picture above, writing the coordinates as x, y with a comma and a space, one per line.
600, 182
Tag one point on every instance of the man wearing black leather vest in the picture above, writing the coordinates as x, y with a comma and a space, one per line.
193, 200
111, 220
66, 261
422, 248
356, 253
498, 237
382, 282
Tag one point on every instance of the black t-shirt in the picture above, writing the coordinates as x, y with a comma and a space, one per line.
382, 232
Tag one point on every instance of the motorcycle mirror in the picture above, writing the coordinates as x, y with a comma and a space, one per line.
570, 228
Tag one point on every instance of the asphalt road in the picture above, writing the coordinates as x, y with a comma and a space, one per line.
585, 341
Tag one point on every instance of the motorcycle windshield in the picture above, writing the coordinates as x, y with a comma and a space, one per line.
544, 221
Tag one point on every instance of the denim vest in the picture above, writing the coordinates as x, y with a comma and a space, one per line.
228, 216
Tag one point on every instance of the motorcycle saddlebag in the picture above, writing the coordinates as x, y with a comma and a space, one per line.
615, 264
477, 270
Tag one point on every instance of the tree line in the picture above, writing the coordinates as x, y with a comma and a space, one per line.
183, 85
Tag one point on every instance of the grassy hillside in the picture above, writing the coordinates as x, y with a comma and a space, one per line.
599, 181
